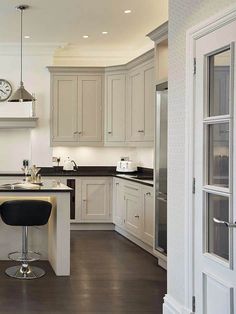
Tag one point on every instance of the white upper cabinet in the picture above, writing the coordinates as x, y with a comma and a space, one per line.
115, 108
64, 108
77, 108
90, 108
140, 104
77, 97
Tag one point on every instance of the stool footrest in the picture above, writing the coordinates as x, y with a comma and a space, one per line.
22, 257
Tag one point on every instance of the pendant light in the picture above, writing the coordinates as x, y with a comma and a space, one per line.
21, 93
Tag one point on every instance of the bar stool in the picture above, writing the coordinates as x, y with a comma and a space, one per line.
25, 213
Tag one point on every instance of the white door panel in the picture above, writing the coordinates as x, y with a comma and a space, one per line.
215, 250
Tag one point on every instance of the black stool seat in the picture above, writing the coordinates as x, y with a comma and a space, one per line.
25, 212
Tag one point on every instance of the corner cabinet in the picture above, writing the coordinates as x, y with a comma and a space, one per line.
77, 104
133, 209
115, 108
76, 109
141, 104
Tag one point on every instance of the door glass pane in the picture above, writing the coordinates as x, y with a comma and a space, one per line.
218, 158
218, 234
219, 76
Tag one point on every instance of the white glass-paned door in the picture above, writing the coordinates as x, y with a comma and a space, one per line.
215, 175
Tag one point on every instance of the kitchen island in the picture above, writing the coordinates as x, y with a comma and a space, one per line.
51, 240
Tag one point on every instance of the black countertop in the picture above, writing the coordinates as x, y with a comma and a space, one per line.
92, 171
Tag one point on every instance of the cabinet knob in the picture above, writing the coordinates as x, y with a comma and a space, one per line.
136, 216
140, 131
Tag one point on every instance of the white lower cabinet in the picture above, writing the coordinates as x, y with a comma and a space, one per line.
148, 215
118, 202
133, 209
96, 200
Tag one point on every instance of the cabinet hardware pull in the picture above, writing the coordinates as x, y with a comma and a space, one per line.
109, 132
84, 200
132, 188
148, 193
80, 132
136, 216
227, 224
162, 199
117, 183
76, 132
141, 131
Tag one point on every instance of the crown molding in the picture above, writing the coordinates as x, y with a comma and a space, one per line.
146, 57
160, 33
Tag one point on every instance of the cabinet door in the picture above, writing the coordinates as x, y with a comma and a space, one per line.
135, 106
118, 203
95, 200
132, 210
115, 107
148, 215
64, 108
149, 103
90, 108
141, 104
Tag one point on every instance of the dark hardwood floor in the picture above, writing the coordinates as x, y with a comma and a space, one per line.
109, 274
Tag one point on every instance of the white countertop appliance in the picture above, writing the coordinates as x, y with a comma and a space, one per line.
69, 164
126, 166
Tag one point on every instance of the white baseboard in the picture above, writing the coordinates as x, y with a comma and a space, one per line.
135, 240
171, 306
162, 263
92, 226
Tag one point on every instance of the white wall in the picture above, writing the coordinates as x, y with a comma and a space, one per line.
105, 156
183, 14
20, 144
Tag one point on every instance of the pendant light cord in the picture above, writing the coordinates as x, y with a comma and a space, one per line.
21, 44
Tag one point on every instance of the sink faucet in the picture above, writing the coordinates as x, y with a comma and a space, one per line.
75, 165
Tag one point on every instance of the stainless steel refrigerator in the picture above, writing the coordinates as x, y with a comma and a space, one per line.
161, 168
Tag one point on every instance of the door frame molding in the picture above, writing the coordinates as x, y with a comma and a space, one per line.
193, 34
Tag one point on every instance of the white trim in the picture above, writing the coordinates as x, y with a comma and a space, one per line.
159, 34
135, 240
196, 32
18, 122
91, 226
171, 306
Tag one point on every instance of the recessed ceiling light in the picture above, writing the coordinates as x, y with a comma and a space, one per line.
104, 33
127, 11
26, 36
85, 36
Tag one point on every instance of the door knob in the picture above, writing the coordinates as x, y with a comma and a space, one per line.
222, 222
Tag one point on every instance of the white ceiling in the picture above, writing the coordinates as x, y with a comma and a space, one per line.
66, 21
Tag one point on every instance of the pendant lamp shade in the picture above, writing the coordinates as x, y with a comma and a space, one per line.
21, 94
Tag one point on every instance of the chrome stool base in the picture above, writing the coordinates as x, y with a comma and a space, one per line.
25, 272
